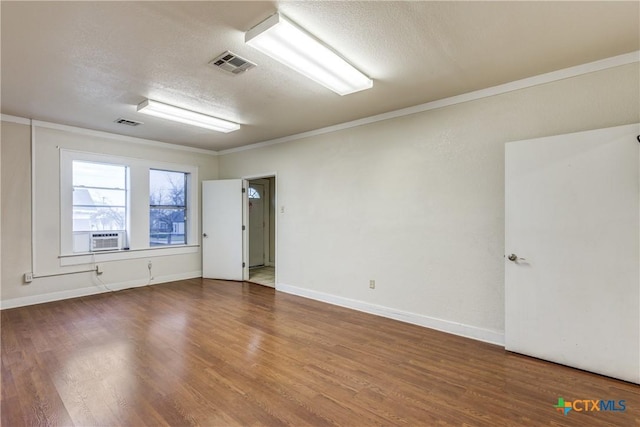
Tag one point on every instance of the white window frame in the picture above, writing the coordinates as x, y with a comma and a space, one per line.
186, 206
137, 208
125, 229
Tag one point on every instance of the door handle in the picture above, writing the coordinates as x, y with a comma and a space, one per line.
514, 258
204, 235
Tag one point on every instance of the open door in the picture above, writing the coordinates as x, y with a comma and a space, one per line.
223, 232
572, 242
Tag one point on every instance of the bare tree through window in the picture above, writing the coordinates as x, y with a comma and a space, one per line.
167, 207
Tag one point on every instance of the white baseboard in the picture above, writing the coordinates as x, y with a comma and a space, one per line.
467, 331
93, 290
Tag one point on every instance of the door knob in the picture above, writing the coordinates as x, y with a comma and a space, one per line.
204, 235
514, 258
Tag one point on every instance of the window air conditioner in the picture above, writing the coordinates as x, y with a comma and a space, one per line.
105, 241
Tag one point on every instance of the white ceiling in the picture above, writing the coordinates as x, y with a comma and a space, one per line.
87, 64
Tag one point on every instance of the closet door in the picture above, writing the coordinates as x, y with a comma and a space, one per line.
572, 262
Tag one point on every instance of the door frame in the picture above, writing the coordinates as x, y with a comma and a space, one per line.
266, 215
266, 175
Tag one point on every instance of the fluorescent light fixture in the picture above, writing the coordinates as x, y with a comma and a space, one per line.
169, 112
285, 42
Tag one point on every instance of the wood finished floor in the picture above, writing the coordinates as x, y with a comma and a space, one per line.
212, 353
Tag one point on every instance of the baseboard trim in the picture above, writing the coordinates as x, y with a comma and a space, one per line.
94, 290
467, 331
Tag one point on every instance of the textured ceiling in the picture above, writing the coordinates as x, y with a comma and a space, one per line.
87, 64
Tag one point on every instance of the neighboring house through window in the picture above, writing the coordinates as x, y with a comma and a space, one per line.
99, 201
145, 203
167, 207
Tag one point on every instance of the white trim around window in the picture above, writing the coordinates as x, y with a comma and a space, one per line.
138, 208
108, 256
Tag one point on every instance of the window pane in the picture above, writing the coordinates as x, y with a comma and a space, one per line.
99, 200
253, 193
98, 218
167, 226
99, 197
167, 210
88, 174
167, 188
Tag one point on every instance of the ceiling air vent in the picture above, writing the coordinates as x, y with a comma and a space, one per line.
128, 122
232, 63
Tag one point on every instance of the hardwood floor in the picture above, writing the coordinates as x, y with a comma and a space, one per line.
213, 353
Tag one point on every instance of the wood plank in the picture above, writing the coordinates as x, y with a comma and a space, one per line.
207, 352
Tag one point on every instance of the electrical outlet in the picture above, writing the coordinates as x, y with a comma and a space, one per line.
28, 277
372, 284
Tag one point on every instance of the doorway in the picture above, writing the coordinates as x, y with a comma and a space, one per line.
261, 207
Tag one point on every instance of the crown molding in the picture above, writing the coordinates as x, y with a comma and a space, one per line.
15, 119
578, 70
108, 135
122, 138
553, 76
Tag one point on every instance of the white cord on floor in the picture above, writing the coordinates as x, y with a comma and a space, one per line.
95, 270
150, 275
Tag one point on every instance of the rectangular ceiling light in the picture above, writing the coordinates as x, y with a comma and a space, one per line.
285, 42
169, 112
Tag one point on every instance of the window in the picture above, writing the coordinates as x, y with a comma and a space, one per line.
99, 201
253, 193
167, 207
131, 206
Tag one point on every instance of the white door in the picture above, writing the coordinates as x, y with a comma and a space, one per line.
223, 246
573, 213
257, 223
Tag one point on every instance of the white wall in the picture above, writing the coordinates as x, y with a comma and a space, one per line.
16, 215
417, 202
414, 202
16, 204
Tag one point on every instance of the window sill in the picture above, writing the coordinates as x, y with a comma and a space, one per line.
105, 256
